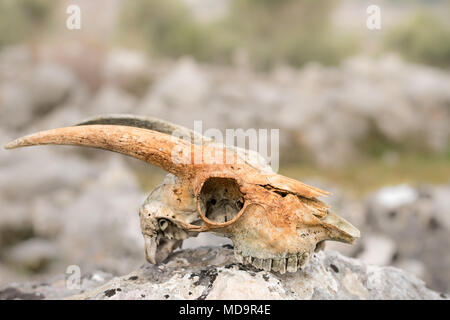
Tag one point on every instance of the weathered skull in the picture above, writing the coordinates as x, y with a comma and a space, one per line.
275, 222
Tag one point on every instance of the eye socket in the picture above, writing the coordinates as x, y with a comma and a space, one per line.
220, 200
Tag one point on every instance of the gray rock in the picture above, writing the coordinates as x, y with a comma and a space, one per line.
86, 210
31, 254
56, 287
17, 105
205, 239
354, 101
182, 90
124, 65
391, 198
416, 220
111, 98
212, 273
50, 84
378, 250
404, 103
30, 173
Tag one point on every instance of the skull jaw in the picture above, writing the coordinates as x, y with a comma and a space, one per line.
269, 257
158, 249
283, 250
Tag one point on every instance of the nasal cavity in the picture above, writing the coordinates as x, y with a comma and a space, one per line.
220, 199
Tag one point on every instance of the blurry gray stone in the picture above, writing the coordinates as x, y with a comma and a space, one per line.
87, 209
415, 219
179, 95
31, 254
441, 205
123, 65
29, 172
394, 197
50, 85
205, 239
363, 96
186, 83
378, 250
16, 105
414, 267
13, 57
111, 99
104, 222
56, 287
32, 90
65, 115
353, 101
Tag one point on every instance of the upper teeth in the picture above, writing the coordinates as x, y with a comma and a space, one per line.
289, 264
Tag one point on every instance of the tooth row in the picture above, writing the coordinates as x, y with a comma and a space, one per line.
289, 264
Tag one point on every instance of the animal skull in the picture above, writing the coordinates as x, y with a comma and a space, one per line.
275, 222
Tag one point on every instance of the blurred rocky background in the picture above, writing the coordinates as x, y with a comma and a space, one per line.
362, 113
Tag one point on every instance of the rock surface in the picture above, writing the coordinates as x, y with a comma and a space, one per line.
414, 225
213, 273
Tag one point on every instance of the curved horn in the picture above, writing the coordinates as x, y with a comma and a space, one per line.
184, 133
149, 123
147, 145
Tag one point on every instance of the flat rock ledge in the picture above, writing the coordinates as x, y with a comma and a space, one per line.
213, 273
